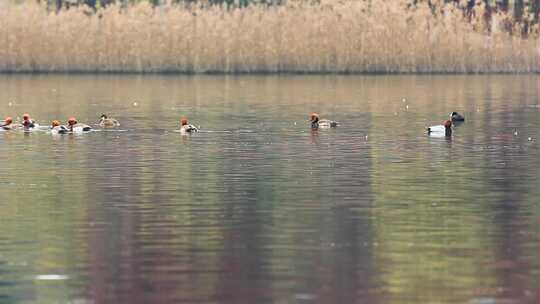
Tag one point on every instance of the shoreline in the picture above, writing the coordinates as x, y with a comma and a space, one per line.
265, 73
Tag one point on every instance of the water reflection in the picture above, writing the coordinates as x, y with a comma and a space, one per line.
258, 208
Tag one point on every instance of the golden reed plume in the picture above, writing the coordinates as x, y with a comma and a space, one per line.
327, 36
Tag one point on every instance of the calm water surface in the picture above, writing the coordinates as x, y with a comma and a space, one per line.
257, 208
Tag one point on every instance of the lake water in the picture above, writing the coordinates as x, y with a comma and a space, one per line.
257, 208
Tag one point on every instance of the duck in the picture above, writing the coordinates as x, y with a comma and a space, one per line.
455, 116
107, 122
76, 127
28, 123
57, 128
8, 124
317, 123
187, 128
439, 130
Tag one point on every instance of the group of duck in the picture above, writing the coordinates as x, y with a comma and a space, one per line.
73, 126
438, 130
446, 128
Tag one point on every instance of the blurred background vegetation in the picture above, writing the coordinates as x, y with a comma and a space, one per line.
519, 9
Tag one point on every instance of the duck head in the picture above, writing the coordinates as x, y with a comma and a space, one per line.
455, 116
7, 121
314, 117
71, 122
448, 127
55, 123
26, 120
183, 121
103, 118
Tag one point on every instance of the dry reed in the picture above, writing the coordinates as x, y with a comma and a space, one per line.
330, 36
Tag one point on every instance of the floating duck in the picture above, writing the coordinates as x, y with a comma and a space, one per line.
57, 128
440, 130
107, 122
8, 124
455, 117
317, 123
76, 127
187, 128
28, 123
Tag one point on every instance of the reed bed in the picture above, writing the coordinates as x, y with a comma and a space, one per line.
326, 37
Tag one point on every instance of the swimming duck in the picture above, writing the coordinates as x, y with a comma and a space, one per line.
76, 127
439, 130
28, 123
455, 116
8, 124
317, 123
106, 122
56, 128
187, 128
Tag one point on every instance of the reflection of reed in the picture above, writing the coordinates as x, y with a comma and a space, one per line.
331, 36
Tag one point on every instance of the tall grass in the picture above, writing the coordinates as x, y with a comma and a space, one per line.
329, 36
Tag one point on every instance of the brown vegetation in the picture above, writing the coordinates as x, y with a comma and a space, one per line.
299, 36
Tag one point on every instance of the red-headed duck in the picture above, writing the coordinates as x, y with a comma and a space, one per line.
57, 128
28, 123
8, 124
317, 123
438, 130
77, 127
185, 127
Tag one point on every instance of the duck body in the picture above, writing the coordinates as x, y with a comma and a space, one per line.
107, 122
28, 127
59, 130
456, 117
327, 123
441, 130
6, 127
188, 129
80, 128
76, 127
28, 124
12, 126
317, 123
